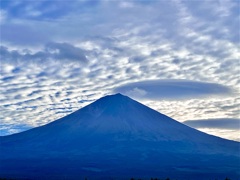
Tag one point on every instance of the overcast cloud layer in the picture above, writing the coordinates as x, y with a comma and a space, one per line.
227, 123
178, 57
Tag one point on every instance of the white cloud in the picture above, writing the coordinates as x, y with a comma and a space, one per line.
136, 92
3, 16
227, 134
125, 4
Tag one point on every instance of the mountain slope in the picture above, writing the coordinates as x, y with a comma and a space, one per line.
118, 137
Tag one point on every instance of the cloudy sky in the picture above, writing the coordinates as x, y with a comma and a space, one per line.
178, 57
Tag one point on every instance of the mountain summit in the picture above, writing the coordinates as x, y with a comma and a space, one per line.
117, 137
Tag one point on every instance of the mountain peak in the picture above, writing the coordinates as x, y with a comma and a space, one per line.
114, 99
117, 95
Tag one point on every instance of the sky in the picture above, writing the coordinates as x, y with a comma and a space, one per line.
181, 58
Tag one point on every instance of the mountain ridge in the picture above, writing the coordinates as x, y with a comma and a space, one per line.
118, 100
110, 104
117, 135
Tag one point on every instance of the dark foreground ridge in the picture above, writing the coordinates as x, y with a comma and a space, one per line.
117, 137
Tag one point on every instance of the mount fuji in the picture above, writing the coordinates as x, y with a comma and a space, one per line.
117, 137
